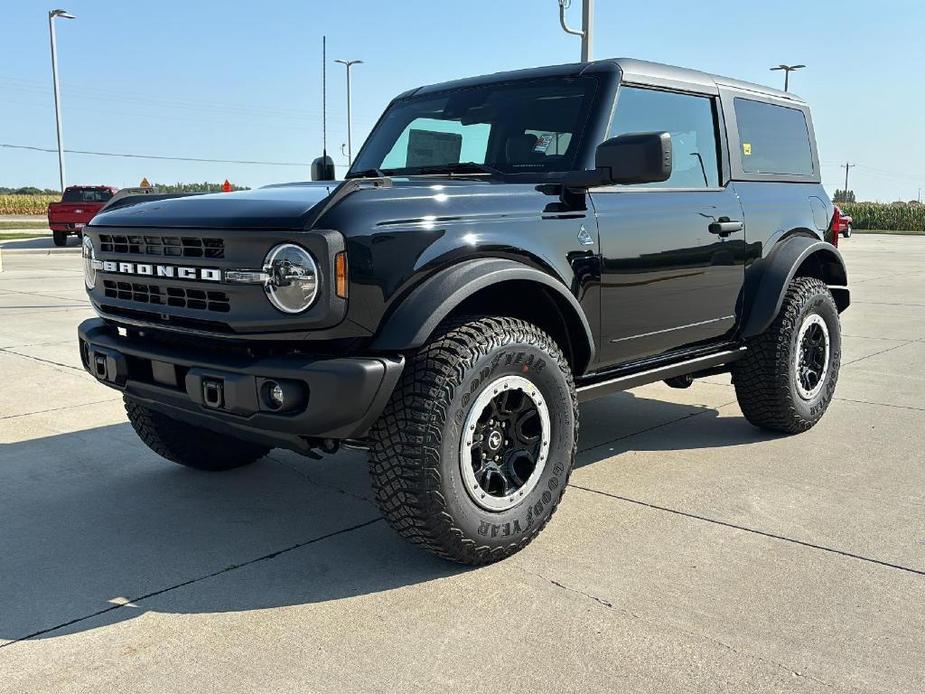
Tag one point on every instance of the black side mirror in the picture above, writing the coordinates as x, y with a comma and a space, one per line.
632, 158
323, 169
636, 158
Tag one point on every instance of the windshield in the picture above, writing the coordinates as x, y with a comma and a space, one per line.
532, 126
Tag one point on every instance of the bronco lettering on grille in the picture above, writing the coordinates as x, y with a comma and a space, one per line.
168, 271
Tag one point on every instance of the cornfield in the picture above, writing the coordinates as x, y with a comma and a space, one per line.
26, 204
886, 217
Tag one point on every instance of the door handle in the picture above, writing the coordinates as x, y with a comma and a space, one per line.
725, 228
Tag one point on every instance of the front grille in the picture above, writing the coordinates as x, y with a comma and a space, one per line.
180, 297
165, 246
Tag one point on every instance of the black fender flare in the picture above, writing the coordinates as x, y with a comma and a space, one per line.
421, 311
767, 279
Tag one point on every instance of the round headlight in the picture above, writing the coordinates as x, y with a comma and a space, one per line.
89, 258
293, 278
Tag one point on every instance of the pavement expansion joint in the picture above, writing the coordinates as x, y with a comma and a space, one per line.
58, 409
882, 351
755, 531
122, 603
10, 350
313, 482
662, 623
656, 426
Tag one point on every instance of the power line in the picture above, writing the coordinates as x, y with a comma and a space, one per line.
874, 171
154, 156
900, 176
96, 94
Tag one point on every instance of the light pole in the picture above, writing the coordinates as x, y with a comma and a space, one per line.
587, 26
349, 64
787, 70
52, 14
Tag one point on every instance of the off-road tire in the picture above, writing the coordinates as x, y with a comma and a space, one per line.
415, 445
59, 238
189, 445
766, 378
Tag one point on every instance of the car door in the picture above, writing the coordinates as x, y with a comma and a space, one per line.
673, 252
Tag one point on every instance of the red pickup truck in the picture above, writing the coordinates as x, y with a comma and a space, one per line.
78, 206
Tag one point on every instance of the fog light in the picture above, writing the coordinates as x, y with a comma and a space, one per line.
275, 396
282, 396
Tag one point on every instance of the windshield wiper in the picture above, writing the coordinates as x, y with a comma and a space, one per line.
464, 167
368, 173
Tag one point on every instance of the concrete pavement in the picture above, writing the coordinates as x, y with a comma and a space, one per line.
692, 552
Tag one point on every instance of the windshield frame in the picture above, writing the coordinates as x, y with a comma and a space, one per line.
588, 133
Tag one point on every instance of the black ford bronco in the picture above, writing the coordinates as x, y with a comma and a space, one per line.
502, 249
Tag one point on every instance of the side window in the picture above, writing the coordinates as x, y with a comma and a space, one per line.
433, 142
692, 124
774, 139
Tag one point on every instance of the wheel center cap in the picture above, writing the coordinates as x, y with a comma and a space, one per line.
495, 440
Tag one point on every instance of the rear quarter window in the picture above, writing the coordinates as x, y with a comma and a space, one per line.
773, 139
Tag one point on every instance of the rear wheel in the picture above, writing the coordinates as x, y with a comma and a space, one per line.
787, 378
475, 448
59, 237
189, 445
848, 232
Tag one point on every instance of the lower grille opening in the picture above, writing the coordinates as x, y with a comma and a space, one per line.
159, 319
180, 297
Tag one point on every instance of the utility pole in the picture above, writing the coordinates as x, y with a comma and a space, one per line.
787, 70
52, 15
847, 166
587, 23
349, 64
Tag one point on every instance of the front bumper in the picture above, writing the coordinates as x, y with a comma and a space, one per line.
339, 397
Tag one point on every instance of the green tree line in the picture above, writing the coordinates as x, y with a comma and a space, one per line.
204, 187
28, 190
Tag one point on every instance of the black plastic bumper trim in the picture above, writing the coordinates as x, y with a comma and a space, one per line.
345, 395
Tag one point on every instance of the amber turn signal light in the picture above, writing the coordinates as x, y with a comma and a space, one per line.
340, 275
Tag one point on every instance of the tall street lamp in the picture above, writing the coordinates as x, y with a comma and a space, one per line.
787, 70
52, 15
348, 64
587, 23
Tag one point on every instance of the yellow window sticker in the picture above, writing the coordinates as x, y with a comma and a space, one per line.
747, 149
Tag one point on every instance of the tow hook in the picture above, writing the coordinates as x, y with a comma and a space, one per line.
213, 393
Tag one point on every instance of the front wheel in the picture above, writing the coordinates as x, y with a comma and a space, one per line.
473, 452
787, 378
848, 232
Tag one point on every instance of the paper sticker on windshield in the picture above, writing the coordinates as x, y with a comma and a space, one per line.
747, 149
542, 143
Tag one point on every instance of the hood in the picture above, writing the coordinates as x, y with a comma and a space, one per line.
275, 207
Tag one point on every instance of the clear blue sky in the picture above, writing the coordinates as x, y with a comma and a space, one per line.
242, 80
